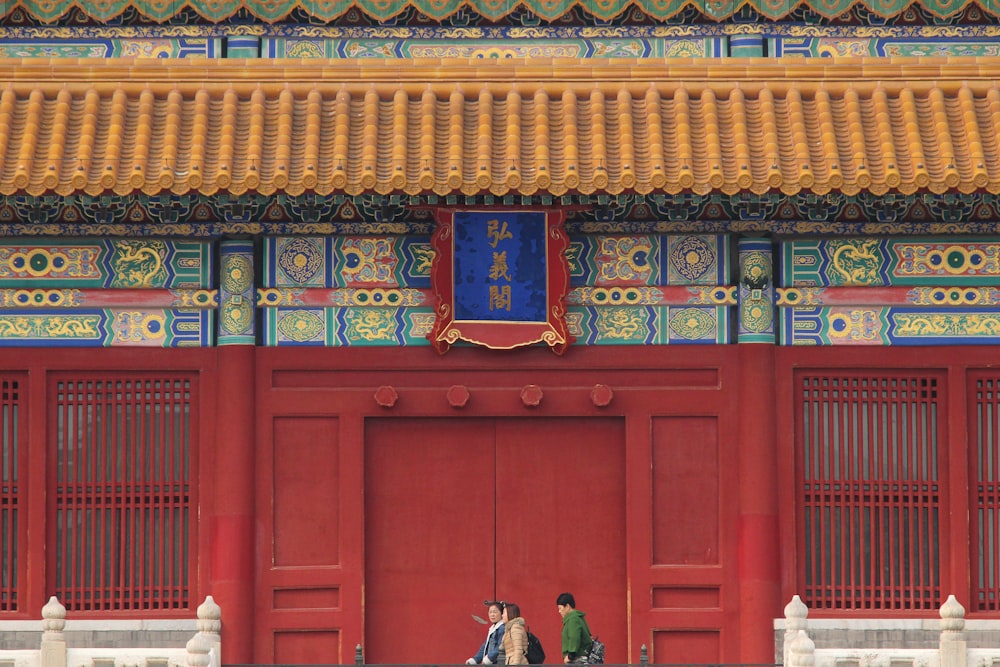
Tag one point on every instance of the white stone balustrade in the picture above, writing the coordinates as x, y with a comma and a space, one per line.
837, 650
203, 650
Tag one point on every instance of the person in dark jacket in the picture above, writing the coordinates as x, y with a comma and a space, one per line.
488, 652
576, 639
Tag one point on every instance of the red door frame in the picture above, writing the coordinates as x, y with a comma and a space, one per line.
646, 384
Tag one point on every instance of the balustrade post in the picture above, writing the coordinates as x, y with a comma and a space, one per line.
644, 656
53, 648
359, 656
198, 649
210, 627
952, 643
796, 613
803, 650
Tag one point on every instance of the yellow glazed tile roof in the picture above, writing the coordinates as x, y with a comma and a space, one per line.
519, 127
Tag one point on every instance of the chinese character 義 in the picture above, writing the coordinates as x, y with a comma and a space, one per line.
499, 268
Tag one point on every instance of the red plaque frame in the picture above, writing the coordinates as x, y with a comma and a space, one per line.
493, 334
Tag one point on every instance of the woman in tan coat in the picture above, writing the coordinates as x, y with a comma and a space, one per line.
515, 636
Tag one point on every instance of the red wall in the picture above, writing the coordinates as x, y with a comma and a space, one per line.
367, 489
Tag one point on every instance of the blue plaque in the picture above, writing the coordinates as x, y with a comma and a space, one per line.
500, 267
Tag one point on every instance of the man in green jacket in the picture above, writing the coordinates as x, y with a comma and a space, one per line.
576, 640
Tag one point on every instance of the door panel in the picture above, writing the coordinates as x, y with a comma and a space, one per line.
561, 524
521, 509
429, 540
303, 542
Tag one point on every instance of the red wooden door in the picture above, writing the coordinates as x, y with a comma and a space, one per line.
561, 525
429, 549
466, 509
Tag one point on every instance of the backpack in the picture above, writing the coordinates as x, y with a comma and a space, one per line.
596, 655
535, 652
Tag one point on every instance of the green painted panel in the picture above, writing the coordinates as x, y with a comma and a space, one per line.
874, 262
105, 327
883, 326
115, 263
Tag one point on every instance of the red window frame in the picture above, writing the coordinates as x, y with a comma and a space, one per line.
870, 462
13, 461
984, 489
123, 501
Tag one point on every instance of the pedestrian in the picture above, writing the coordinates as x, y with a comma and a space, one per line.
576, 638
515, 636
488, 652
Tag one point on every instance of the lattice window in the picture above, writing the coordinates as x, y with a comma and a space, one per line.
123, 492
984, 531
10, 491
869, 496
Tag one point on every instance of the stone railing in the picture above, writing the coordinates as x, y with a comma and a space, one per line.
106, 643
880, 642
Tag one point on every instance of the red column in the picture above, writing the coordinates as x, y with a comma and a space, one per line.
759, 552
232, 556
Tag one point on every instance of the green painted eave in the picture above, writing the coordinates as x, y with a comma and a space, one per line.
330, 10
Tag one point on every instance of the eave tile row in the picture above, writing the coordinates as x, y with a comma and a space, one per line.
452, 128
